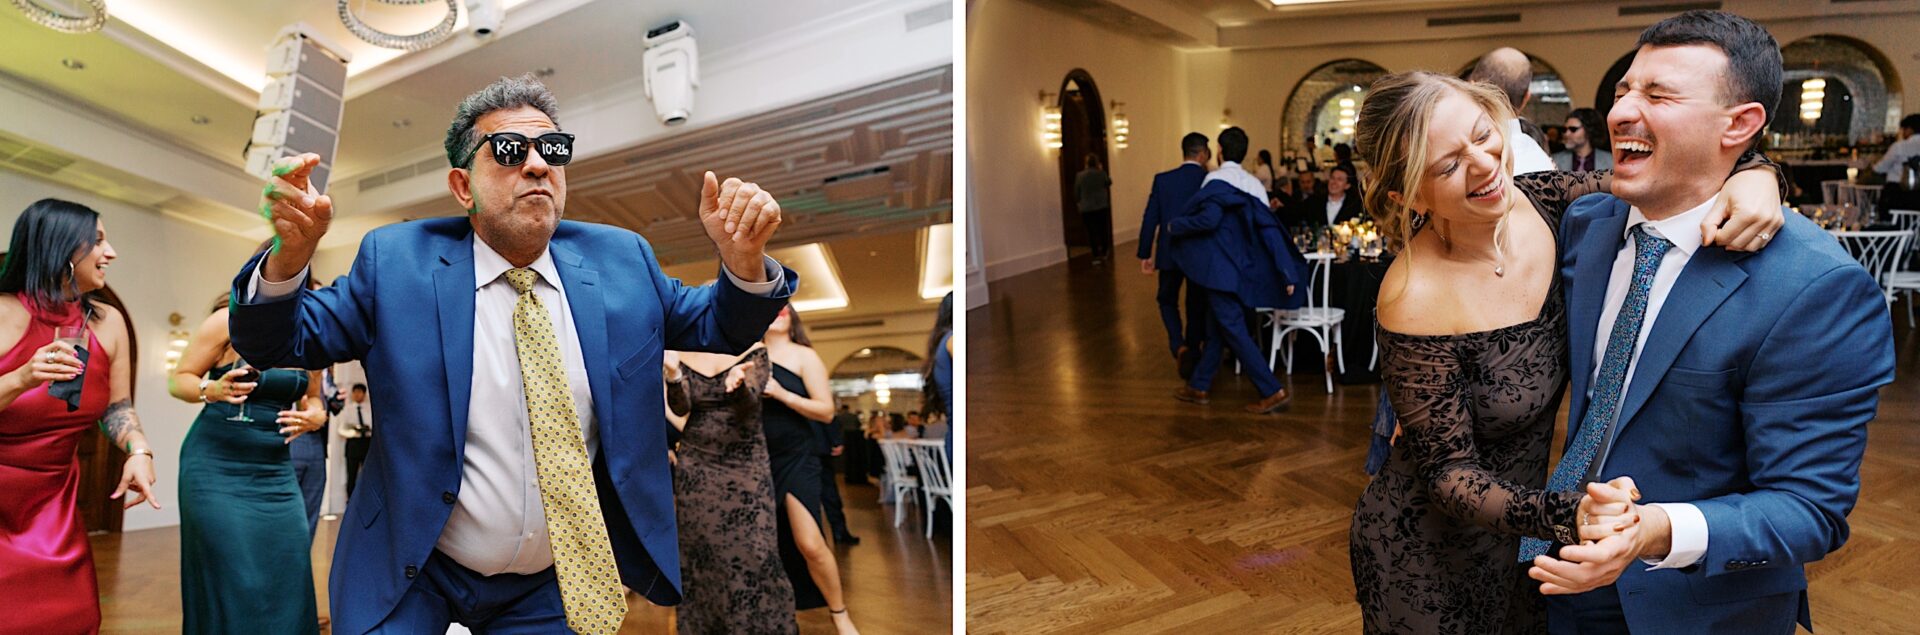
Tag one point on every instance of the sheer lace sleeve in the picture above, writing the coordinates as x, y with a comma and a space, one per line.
1428, 385
1551, 192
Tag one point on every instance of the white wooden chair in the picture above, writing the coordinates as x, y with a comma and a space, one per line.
936, 475
1318, 318
1881, 252
896, 480
1902, 280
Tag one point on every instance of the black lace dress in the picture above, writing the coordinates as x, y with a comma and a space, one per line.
1436, 536
732, 576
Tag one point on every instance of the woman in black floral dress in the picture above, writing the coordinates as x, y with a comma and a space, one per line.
1473, 339
732, 577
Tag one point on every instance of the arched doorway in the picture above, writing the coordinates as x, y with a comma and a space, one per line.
1083, 131
879, 378
1549, 104
1315, 109
1858, 91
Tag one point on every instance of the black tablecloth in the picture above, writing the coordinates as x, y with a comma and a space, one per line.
1356, 288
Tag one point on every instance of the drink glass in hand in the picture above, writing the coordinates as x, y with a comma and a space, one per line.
75, 336
251, 375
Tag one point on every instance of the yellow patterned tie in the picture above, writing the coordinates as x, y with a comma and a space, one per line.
582, 558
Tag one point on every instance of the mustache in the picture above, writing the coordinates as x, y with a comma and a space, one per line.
1632, 132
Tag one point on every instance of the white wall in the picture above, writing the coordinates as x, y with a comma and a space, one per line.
1014, 51
164, 266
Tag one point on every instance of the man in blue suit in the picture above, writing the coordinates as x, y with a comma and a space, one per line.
520, 476
1731, 390
1171, 191
1231, 245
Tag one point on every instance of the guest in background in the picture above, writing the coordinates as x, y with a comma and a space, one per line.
1230, 245
1509, 70
1324, 154
1263, 169
796, 400
1555, 138
358, 429
54, 268
1309, 186
1343, 156
916, 426
1340, 204
828, 447
732, 580
939, 369
310, 456
1586, 138
1090, 190
241, 509
1168, 198
853, 454
1901, 151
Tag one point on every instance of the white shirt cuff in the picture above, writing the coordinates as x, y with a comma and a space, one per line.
1688, 541
259, 289
776, 277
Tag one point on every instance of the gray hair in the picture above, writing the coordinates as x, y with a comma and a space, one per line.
507, 93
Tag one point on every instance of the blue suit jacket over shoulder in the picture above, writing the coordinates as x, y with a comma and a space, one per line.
1227, 240
1171, 191
406, 309
1750, 400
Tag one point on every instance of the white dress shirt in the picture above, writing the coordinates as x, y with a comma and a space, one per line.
1333, 208
1527, 155
1897, 155
358, 416
499, 524
1237, 176
1689, 525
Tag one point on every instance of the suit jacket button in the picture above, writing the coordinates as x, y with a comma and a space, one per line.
412, 571
446, 497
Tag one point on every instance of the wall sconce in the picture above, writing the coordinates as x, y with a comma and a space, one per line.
1226, 119
1121, 127
176, 341
1812, 93
1346, 115
1049, 123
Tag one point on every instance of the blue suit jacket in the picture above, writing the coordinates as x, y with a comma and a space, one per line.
1171, 191
406, 309
1750, 400
1227, 240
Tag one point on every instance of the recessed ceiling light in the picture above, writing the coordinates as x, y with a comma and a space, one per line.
873, 254
74, 64
200, 120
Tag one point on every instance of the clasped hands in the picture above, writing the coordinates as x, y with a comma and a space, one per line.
1614, 531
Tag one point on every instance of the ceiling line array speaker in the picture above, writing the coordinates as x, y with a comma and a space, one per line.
302, 105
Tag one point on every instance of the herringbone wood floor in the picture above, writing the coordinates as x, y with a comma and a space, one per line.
1098, 504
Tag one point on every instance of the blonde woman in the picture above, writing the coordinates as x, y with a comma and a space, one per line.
1473, 338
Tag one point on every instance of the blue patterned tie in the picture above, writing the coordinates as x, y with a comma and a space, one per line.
1567, 477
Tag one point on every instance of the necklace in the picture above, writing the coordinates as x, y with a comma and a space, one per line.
1499, 233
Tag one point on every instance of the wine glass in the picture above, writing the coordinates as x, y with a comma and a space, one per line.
250, 375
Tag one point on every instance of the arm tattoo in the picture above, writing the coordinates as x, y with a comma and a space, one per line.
119, 422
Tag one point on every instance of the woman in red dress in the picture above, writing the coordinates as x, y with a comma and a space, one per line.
57, 260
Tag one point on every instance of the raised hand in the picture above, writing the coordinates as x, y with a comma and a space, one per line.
234, 392
740, 218
300, 215
1749, 205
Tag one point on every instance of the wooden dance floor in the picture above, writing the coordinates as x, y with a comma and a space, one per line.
1099, 504
896, 580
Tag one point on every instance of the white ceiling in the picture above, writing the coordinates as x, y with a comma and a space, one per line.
163, 75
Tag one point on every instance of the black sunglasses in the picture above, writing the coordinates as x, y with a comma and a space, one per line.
511, 148
1573, 128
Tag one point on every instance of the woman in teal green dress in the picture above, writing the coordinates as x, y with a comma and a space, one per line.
244, 547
